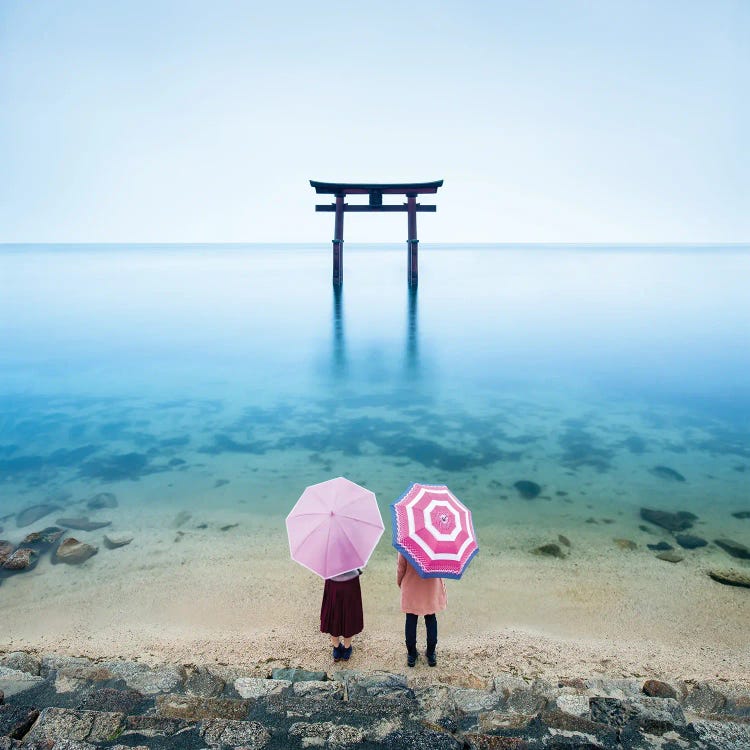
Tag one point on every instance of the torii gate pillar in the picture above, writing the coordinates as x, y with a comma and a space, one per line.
338, 242
412, 243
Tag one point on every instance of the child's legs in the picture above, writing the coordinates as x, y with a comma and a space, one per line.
430, 622
410, 632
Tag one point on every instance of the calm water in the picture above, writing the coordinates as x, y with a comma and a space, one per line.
225, 379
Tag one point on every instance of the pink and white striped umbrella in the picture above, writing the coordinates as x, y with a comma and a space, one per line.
433, 529
334, 527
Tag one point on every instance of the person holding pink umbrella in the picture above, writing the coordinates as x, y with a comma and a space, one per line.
341, 612
434, 535
333, 529
420, 597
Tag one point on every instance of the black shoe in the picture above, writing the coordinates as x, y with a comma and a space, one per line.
337, 652
411, 658
431, 659
346, 653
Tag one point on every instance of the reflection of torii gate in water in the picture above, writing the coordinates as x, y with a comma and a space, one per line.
411, 361
376, 191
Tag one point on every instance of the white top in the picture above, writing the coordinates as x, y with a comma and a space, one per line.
347, 576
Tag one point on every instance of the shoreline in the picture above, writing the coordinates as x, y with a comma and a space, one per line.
237, 598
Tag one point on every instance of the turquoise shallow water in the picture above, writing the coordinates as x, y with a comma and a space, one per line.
226, 378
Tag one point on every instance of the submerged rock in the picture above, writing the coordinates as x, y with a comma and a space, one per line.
679, 521
102, 500
735, 549
625, 544
690, 541
73, 552
730, 578
181, 519
550, 550
83, 523
665, 472
116, 539
528, 489
33, 513
673, 557
660, 547
563, 540
742, 514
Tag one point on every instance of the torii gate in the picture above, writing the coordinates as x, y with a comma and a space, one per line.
376, 191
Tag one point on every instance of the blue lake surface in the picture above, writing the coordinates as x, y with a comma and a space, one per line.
222, 378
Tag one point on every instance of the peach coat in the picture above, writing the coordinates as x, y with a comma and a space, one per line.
419, 596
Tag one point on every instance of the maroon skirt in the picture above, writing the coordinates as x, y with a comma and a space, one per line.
341, 610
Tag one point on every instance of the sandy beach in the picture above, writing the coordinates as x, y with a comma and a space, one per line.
235, 597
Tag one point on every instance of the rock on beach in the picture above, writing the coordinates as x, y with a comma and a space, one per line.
730, 578
6, 550
20, 559
673, 557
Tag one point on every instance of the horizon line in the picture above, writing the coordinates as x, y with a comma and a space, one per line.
326, 243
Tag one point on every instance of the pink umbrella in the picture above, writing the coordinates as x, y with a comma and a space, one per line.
334, 527
433, 529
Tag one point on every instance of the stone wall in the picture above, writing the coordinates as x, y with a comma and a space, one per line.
66, 703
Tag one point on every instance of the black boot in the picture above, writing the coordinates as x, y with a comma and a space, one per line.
411, 655
431, 658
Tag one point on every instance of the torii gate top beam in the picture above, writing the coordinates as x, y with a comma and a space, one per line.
385, 188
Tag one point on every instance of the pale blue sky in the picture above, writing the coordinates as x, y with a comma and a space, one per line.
560, 121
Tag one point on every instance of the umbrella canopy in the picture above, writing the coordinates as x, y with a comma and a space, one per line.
433, 530
334, 527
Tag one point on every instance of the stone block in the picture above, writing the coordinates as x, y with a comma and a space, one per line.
468, 701
15, 682
318, 690
246, 734
652, 715
201, 681
148, 680
16, 721
381, 685
68, 724
195, 708
258, 687
22, 662
704, 699
326, 734
298, 675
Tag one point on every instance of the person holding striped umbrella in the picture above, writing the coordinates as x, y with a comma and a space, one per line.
434, 535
